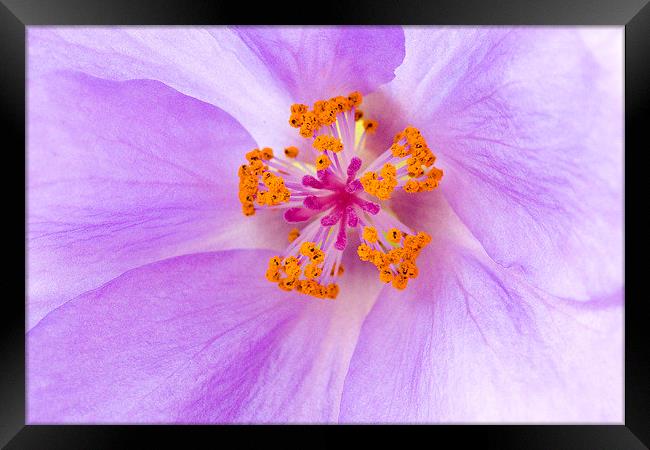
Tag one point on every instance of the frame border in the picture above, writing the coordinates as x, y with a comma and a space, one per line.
15, 15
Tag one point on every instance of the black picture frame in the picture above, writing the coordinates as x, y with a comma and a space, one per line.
15, 15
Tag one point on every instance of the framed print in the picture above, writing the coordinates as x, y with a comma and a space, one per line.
399, 221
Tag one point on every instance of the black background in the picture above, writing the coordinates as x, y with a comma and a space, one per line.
16, 14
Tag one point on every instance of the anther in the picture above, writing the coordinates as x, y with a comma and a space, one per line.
293, 234
322, 162
291, 152
394, 236
370, 234
324, 142
370, 126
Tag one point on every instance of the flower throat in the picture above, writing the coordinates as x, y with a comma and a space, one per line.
323, 185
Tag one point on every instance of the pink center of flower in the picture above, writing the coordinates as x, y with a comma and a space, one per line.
330, 195
337, 195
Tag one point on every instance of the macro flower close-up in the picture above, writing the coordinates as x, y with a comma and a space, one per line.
324, 225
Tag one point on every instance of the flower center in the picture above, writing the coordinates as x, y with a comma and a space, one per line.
323, 185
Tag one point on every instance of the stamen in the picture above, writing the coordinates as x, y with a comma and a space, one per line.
331, 197
301, 275
250, 175
370, 234
324, 142
396, 264
291, 152
324, 113
293, 234
407, 163
322, 162
370, 126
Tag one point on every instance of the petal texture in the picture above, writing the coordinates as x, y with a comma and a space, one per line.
254, 79
527, 124
201, 338
315, 63
470, 343
121, 174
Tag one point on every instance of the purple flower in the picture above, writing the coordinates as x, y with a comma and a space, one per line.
147, 295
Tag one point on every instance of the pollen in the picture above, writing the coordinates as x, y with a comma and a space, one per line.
299, 108
394, 236
330, 143
370, 126
380, 185
254, 155
293, 234
308, 249
291, 152
293, 274
355, 98
322, 162
397, 265
412, 186
365, 252
370, 234
324, 113
250, 176
400, 282
313, 271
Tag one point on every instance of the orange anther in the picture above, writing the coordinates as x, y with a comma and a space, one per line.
355, 98
322, 162
299, 108
291, 152
370, 234
293, 234
400, 282
370, 126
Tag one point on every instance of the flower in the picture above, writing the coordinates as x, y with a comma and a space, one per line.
147, 295
330, 193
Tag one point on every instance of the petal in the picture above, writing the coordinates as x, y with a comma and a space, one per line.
527, 124
121, 174
201, 338
212, 65
315, 63
468, 342
215, 65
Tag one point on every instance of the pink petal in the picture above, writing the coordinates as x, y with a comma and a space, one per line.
215, 65
121, 174
527, 124
202, 338
315, 63
468, 342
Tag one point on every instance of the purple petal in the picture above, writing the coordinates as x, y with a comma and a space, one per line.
125, 173
527, 124
314, 63
467, 342
202, 338
215, 65
212, 65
